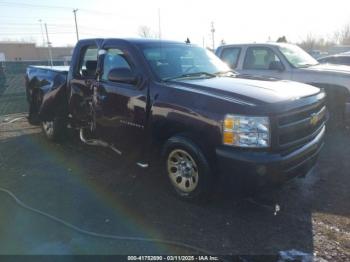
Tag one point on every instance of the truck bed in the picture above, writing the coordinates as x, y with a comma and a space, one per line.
60, 69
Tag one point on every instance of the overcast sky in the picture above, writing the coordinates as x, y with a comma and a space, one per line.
235, 21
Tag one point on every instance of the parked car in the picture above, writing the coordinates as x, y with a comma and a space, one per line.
317, 53
287, 61
338, 59
135, 95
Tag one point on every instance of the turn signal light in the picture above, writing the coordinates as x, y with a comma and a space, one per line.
229, 138
229, 123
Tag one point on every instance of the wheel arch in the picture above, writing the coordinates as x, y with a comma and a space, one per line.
329, 87
337, 98
196, 138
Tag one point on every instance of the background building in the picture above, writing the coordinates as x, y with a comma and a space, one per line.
23, 51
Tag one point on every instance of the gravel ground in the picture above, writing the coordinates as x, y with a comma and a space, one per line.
102, 192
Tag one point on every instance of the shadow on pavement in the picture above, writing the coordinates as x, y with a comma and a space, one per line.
102, 192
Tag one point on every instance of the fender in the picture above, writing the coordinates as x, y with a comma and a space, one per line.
54, 104
338, 100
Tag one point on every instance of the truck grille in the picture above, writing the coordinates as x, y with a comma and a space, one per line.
297, 128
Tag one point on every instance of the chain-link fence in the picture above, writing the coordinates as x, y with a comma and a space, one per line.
12, 89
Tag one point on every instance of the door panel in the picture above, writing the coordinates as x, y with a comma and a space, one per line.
120, 107
121, 115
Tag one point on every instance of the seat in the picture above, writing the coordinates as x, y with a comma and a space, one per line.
268, 59
90, 71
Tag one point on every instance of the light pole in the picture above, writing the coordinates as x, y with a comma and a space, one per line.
212, 34
49, 45
76, 23
42, 31
159, 25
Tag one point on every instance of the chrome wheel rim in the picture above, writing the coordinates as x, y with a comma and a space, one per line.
182, 171
48, 127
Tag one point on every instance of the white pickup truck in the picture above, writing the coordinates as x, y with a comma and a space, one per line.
287, 61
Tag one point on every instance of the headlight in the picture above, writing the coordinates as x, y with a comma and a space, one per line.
246, 131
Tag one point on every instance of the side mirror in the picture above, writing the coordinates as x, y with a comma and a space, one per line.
276, 65
122, 75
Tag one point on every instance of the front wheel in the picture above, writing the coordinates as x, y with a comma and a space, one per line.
187, 168
55, 130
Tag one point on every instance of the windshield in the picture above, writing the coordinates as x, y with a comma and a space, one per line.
177, 61
297, 56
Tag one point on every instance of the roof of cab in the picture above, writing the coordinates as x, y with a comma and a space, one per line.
259, 44
136, 41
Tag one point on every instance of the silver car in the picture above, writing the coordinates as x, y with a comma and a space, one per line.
290, 62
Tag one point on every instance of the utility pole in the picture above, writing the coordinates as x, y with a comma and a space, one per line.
42, 35
42, 31
49, 45
212, 34
76, 24
159, 27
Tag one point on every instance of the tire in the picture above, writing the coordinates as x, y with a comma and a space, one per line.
55, 130
187, 168
33, 110
336, 100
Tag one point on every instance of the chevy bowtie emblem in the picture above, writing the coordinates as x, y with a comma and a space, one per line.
314, 119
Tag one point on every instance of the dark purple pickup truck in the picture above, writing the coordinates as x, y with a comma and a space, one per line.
135, 95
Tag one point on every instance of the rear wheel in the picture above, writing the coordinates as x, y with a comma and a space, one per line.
34, 106
187, 168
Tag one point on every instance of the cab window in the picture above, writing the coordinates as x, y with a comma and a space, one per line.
88, 63
259, 58
230, 56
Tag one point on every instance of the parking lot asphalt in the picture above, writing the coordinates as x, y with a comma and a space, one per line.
101, 192
97, 190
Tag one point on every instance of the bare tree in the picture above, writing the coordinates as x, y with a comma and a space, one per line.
344, 35
282, 39
339, 37
309, 43
146, 32
317, 43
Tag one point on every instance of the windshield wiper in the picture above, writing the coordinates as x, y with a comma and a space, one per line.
225, 73
196, 74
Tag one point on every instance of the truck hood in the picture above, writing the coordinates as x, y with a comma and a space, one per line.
329, 68
249, 91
